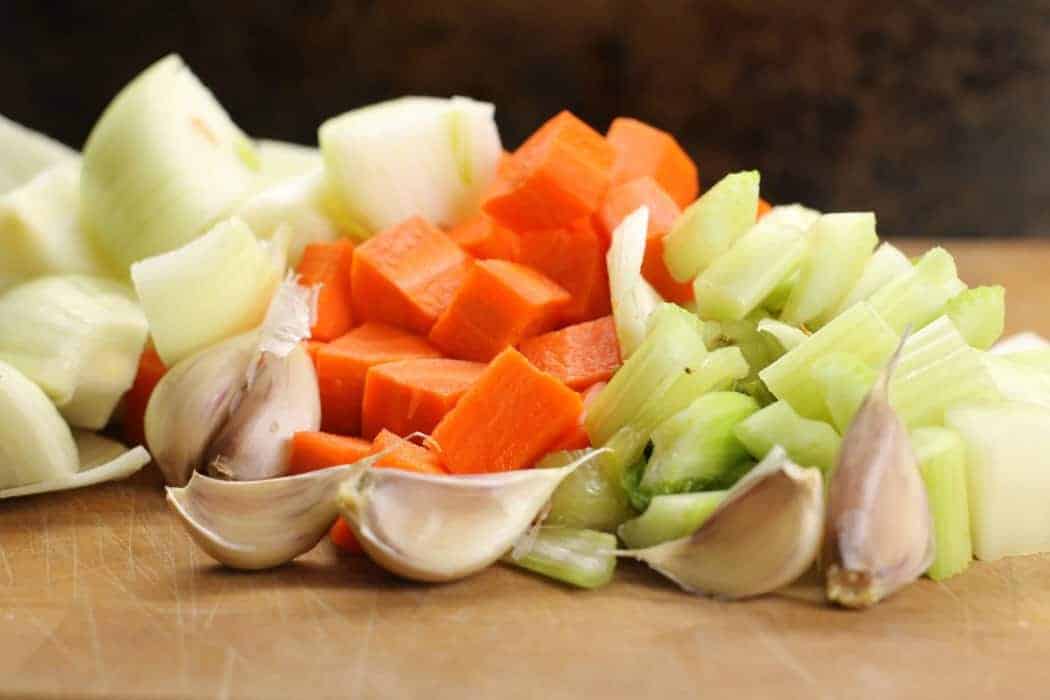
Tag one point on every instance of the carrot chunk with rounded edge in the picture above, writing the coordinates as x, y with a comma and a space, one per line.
343, 364
414, 395
556, 177
500, 304
623, 200
406, 455
578, 355
316, 450
406, 275
574, 258
764, 208
151, 370
642, 149
328, 265
343, 537
485, 239
508, 419
576, 438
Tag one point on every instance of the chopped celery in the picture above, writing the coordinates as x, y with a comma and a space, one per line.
885, 265
1008, 482
780, 294
583, 558
1018, 381
786, 336
845, 381
858, 330
794, 215
942, 461
27, 153
916, 298
810, 443
736, 283
696, 447
711, 224
979, 314
758, 350
675, 341
633, 298
78, 337
587, 498
670, 517
839, 247
281, 160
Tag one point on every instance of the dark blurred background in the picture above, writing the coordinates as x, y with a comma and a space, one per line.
934, 114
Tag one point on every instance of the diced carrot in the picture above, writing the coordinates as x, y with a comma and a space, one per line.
406, 275
578, 355
574, 257
316, 450
508, 419
343, 364
764, 208
328, 265
414, 395
343, 537
642, 149
557, 176
500, 304
485, 239
406, 455
151, 370
576, 438
623, 200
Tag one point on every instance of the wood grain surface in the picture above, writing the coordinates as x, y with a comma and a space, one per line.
103, 595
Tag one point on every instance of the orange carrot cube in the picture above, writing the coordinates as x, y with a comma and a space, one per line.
645, 150
579, 355
328, 265
317, 450
573, 257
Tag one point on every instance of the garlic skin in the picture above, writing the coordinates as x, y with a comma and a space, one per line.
281, 400
765, 534
442, 528
880, 532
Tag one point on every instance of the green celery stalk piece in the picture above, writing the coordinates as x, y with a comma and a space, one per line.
845, 381
810, 443
886, 264
587, 498
839, 247
859, 331
710, 225
696, 447
942, 461
786, 336
670, 517
774, 303
583, 558
979, 314
757, 349
735, 284
915, 299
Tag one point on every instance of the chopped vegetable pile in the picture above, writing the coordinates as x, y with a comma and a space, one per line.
447, 355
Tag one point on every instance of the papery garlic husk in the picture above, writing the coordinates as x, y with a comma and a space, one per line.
879, 533
765, 534
260, 524
442, 528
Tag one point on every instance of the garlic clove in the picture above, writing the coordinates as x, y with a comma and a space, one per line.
443, 528
282, 399
879, 532
765, 534
191, 404
260, 524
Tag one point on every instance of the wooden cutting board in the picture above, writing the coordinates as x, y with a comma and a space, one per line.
103, 595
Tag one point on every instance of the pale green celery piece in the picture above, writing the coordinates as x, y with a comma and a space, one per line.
670, 517
710, 225
786, 336
1017, 380
780, 294
915, 299
674, 342
796, 215
942, 461
736, 283
885, 265
810, 443
696, 447
587, 498
743, 334
716, 371
858, 330
845, 381
839, 247
979, 314
583, 558
938, 370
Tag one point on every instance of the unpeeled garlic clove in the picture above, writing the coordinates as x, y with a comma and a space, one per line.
442, 528
880, 532
764, 535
